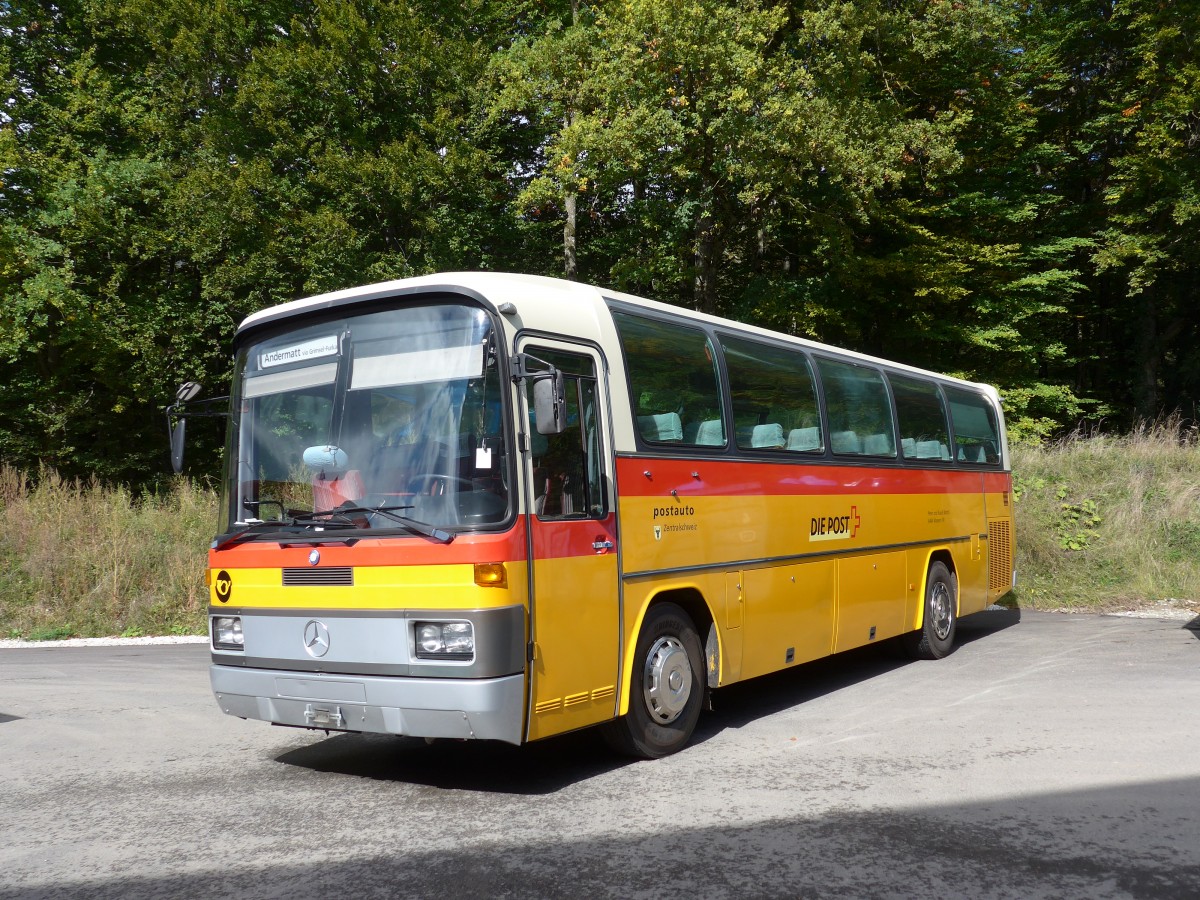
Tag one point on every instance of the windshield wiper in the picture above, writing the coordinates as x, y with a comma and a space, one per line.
251, 530
413, 525
258, 527
335, 518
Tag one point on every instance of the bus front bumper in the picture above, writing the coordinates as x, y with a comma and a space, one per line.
486, 708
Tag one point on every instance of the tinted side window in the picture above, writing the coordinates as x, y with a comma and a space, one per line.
976, 432
860, 413
672, 382
922, 419
774, 398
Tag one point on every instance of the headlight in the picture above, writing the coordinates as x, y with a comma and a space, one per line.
227, 633
444, 640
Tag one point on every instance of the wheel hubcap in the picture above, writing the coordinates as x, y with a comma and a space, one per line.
667, 682
941, 611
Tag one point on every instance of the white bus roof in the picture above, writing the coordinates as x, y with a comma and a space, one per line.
557, 306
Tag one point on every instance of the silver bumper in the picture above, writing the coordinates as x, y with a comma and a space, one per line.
486, 708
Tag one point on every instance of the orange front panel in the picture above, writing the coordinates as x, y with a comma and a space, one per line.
382, 573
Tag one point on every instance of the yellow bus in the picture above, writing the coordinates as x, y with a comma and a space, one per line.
508, 507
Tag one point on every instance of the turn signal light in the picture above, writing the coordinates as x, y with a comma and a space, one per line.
491, 575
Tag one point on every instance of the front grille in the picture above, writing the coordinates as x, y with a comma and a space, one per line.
331, 576
1000, 555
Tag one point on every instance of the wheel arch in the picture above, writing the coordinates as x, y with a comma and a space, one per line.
691, 600
944, 556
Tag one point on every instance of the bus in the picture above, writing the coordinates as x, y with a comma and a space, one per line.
506, 507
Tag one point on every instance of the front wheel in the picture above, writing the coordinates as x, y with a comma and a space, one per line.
667, 690
935, 639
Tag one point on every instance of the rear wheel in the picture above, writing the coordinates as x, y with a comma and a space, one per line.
667, 689
935, 638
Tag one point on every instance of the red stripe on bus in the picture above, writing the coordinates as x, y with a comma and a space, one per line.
642, 477
563, 538
375, 551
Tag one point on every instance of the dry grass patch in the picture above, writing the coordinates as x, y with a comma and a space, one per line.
91, 560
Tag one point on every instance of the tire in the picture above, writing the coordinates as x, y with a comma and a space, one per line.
667, 689
939, 622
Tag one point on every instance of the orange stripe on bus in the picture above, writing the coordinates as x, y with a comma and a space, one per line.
377, 551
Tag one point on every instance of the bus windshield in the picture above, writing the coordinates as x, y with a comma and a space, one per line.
369, 421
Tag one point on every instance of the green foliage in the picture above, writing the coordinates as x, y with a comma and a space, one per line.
1078, 523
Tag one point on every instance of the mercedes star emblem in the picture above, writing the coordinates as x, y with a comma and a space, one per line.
316, 639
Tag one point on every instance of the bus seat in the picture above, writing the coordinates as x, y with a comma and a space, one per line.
803, 439
332, 492
944, 451
909, 447
765, 437
878, 445
711, 433
973, 454
661, 427
845, 442
928, 450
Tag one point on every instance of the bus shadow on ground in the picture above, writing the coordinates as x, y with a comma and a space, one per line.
547, 766
493, 767
739, 704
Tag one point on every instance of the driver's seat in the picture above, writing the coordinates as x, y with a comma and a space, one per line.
329, 493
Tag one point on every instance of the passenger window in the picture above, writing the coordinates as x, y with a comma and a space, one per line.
976, 432
568, 468
860, 413
921, 416
774, 398
672, 382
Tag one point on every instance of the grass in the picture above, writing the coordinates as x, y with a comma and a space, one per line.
1103, 523
92, 560
1110, 522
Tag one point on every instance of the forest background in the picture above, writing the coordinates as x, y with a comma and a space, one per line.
1007, 191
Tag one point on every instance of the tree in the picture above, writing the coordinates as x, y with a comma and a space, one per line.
173, 166
1151, 239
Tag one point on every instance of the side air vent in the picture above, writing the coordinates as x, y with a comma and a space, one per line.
333, 576
1000, 555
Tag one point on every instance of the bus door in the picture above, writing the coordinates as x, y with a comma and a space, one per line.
571, 518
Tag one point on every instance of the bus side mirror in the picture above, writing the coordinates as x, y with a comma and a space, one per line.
177, 421
549, 402
178, 434
185, 405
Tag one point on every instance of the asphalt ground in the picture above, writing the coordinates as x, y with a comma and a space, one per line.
1049, 756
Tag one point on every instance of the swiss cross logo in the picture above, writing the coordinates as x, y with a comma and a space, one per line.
835, 528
